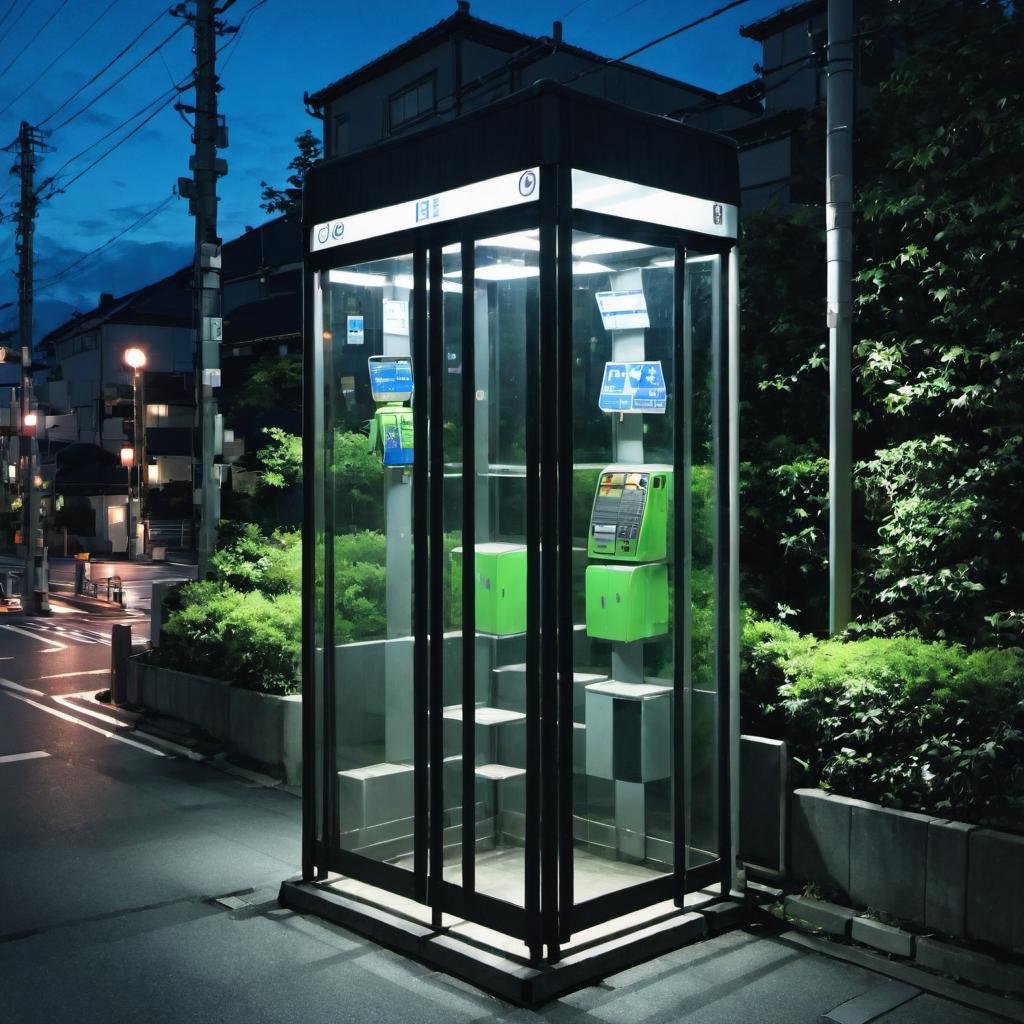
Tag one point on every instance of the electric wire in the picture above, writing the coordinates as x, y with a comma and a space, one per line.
63, 53
14, 24
117, 81
53, 279
7, 13
34, 37
238, 33
106, 67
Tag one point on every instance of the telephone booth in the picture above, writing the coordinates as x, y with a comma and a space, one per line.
520, 630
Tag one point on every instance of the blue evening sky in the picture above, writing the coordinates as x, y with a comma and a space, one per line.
284, 48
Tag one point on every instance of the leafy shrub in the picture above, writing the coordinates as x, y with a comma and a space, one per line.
924, 726
246, 638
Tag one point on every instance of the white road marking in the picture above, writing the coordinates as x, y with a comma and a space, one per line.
30, 756
84, 725
10, 684
65, 701
71, 675
35, 636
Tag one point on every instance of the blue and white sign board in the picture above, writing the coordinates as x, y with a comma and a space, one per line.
633, 387
390, 378
479, 197
355, 330
623, 311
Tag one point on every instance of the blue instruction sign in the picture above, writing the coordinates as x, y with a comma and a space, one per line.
633, 387
390, 378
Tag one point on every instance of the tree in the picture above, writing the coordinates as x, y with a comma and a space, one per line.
289, 200
939, 360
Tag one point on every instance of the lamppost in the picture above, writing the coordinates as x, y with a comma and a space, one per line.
135, 358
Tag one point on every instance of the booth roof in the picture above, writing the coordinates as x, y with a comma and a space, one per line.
547, 123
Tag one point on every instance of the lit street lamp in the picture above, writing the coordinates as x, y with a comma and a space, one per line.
135, 358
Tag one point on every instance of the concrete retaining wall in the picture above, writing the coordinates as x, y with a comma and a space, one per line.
265, 728
962, 880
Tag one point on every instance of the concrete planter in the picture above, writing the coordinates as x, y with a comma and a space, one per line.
259, 726
956, 878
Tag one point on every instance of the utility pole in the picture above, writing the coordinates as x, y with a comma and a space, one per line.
28, 146
839, 257
209, 134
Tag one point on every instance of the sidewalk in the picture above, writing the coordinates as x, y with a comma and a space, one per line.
110, 876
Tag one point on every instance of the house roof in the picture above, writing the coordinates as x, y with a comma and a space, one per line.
277, 316
167, 302
782, 19
486, 32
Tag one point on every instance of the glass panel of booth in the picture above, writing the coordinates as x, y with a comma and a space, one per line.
368, 533
485, 560
632, 588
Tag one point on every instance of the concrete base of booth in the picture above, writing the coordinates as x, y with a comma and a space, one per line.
491, 967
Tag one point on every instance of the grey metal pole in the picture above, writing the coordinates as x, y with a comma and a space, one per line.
839, 257
207, 167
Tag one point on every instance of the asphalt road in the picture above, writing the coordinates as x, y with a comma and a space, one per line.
137, 578
114, 850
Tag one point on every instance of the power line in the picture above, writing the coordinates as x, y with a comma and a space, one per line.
110, 63
32, 38
63, 53
7, 13
160, 102
14, 24
238, 33
117, 81
660, 39
53, 279
117, 145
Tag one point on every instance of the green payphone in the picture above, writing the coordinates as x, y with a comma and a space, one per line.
500, 587
629, 524
391, 429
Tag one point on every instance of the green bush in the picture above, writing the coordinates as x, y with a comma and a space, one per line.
246, 638
926, 726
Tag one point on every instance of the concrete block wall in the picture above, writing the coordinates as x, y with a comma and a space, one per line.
260, 726
964, 881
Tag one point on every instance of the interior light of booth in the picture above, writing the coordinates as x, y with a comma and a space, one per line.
605, 246
354, 278
586, 267
525, 240
506, 272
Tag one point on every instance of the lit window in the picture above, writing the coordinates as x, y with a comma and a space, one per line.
412, 103
115, 515
154, 413
153, 474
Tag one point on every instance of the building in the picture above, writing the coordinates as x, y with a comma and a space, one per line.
782, 151
463, 63
89, 404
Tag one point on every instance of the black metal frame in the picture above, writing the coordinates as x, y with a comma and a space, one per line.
550, 914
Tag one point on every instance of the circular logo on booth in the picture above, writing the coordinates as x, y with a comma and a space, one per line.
339, 229
323, 234
527, 183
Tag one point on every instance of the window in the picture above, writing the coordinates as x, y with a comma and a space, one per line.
413, 102
340, 139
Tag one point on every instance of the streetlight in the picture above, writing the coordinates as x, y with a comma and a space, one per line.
135, 358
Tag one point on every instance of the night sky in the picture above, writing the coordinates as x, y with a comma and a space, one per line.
284, 48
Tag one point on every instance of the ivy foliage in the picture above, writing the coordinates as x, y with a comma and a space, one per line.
939, 354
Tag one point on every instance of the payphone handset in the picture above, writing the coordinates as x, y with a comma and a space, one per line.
629, 521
